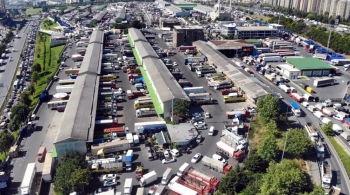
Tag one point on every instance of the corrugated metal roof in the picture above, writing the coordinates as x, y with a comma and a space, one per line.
121, 14
203, 9
136, 35
225, 65
78, 121
174, 9
97, 37
144, 49
92, 59
99, 16
163, 81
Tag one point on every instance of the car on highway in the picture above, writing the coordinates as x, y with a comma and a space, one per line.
168, 160
110, 183
196, 158
109, 177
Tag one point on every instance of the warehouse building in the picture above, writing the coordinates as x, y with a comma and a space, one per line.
78, 122
182, 134
248, 32
120, 15
289, 71
168, 23
233, 48
186, 35
310, 66
252, 90
204, 10
177, 12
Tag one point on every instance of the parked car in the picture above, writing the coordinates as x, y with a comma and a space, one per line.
219, 158
196, 158
166, 154
175, 152
109, 177
168, 160
110, 183
199, 138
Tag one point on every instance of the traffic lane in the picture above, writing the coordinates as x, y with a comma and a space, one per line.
310, 118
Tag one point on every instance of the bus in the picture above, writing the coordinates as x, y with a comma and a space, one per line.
107, 78
55, 105
66, 82
143, 103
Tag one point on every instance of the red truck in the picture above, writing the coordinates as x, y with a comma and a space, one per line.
297, 97
138, 93
134, 76
228, 91
184, 48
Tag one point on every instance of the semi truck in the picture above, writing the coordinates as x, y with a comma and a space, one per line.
128, 186
111, 147
230, 151
326, 175
184, 83
311, 131
148, 178
128, 159
189, 90
319, 148
295, 109
27, 182
202, 70
324, 82
194, 59
201, 98
47, 170
64, 88
216, 165
144, 112
297, 97
284, 88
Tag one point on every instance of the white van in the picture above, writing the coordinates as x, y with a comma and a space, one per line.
211, 131
183, 169
3, 125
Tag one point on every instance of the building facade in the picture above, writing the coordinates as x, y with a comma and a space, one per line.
186, 35
168, 23
248, 32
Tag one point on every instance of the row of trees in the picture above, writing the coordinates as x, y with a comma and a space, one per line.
134, 24
264, 172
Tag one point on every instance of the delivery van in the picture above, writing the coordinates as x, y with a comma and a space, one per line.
41, 154
211, 131
183, 169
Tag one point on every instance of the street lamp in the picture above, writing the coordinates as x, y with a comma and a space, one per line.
285, 144
172, 102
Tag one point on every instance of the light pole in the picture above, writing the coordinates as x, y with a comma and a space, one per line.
285, 144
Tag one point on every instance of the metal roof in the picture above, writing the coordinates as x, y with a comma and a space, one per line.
227, 66
308, 63
78, 120
203, 9
99, 16
174, 9
97, 37
121, 14
163, 81
182, 133
92, 60
136, 35
145, 50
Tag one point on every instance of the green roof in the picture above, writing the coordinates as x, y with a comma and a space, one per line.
253, 40
308, 63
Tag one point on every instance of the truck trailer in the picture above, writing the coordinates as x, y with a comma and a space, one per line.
313, 134
295, 109
27, 182
216, 165
145, 112
111, 147
324, 82
64, 88
47, 170
148, 178
189, 90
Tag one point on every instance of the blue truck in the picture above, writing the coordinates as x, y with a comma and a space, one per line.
139, 80
44, 96
295, 108
128, 160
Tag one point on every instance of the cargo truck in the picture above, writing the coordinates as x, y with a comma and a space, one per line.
230, 151
328, 111
167, 175
47, 170
184, 48
319, 148
194, 59
144, 112
234, 97
148, 178
272, 59
184, 83
189, 90
128, 186
111, 147
324, 82
326, 175
313, 134
202, 70
128, 160
27, 182
216, 165
295, 109
284, 88
297, 97
64, 88
201, 98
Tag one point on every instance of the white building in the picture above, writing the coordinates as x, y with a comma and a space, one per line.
288, 71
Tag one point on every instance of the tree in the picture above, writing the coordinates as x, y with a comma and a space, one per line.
283, 179
255, 163
271, 128
317, 190
70, 174
36, 67
35, 77
298, 142
328, 129
25, 99
31, 89
21, 111
182, 108
137, 24
268, 150
93, 23
6, 140
268, 109
235, 181
14, 123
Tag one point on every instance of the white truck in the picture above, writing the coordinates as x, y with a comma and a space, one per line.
337, 128
128, 186
284, 88
141, 191
47, 170
144, 112
167, 175
319, 114
329, 111
27, 182
326, 175
148, 178
189, 90
311, 108
64, 88
272, 59
215, 165
311, 132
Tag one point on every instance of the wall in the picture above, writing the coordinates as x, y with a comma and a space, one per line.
69, 146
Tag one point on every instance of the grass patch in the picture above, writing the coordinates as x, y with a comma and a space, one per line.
48, 24
342, 155
33, 10
259, 17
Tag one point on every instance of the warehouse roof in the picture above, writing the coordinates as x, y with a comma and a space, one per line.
163, 81
121, 14
79, 115
144, 49
92, 60
182, 133
97, 37
136, 35
227, 66
174, 9
203, 9
308, 63
100, 15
